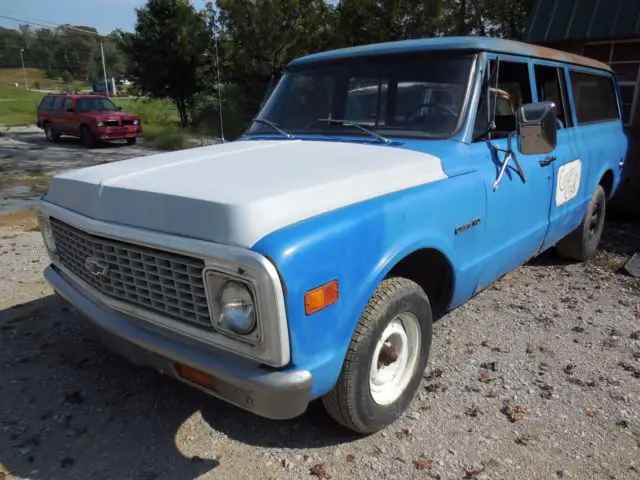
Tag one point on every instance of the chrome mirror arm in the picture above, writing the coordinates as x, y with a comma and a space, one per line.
509, 154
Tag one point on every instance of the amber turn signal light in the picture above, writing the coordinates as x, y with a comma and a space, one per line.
321, 297
195, 376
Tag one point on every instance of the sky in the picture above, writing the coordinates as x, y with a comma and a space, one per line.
104, 15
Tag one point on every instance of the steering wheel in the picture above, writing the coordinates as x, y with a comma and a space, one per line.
428, 105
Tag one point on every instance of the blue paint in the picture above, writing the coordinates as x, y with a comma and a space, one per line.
359, 244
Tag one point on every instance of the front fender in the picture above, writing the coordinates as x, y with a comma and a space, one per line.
357, 246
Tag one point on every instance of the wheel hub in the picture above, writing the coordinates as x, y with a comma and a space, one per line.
394, 359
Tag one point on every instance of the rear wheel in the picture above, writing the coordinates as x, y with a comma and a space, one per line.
583, 242
50, 133
131, 141
87, 137
386, 358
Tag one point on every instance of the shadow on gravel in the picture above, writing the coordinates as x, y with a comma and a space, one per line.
620, 240
39, 140
72, 409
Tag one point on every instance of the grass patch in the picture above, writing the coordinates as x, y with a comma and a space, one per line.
165, 138
24, 220
19, 111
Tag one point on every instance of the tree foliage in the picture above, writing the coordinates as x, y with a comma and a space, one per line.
172, 52
167, 52
62, 49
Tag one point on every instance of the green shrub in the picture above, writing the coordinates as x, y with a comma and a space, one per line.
165, 138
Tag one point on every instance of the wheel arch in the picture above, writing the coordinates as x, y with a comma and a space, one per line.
431, 269
607, 182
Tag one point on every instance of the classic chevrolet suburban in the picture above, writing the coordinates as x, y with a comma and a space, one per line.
378, 187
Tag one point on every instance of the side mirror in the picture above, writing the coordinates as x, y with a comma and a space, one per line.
118, 108
70, 110
537, 128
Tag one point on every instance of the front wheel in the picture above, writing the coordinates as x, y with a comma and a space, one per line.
583, 242
87, 137
386, 358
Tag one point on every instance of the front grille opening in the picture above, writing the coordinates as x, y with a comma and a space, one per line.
168, 283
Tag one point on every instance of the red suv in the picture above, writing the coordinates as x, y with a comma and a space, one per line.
93, 118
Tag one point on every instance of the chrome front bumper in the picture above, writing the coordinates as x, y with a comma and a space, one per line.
273, 394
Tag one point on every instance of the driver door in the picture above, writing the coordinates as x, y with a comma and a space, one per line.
517, 215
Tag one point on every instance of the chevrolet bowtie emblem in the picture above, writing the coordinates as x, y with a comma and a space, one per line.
96, 267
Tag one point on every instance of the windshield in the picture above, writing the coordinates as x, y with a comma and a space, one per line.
404, 96
95, 105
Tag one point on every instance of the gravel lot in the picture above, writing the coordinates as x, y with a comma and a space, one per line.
27, 161
538, 377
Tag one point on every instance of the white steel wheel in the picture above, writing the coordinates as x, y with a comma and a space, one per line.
394, 359
385, 360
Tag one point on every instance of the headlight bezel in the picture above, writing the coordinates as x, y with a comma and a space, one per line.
214, 282
100, 124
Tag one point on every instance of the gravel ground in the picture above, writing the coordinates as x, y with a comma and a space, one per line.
537, 377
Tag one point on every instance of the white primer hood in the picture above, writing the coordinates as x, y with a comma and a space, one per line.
236, 193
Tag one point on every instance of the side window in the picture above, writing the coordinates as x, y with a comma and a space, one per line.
507, 81
57, 102
594, 97
551, 86
68, 103
46, 103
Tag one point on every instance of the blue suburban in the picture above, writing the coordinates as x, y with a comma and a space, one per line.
378, 187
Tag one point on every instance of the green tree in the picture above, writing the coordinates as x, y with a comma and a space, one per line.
257, 38
167, 52
360, 22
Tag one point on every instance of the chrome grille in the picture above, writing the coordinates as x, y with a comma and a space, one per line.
168, 283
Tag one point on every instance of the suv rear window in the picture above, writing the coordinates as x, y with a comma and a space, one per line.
46, 103
595, 98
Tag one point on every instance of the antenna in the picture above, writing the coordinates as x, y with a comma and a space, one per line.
219, 91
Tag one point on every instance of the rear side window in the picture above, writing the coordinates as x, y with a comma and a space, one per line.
594, 97
46, 103
57, 103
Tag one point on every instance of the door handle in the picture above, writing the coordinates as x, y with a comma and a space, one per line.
547, 161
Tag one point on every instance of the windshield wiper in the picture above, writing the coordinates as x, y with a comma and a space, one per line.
274, 126
347, 123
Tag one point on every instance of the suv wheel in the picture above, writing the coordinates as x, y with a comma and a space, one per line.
87, 137
386, 358
131, 141
51, 133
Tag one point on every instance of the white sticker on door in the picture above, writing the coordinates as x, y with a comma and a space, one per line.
568, 182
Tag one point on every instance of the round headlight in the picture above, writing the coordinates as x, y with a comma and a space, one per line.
237, 310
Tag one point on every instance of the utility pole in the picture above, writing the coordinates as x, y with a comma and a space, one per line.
104, 70
26, 80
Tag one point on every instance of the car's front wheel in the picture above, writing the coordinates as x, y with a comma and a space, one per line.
50, 133
386, 358
88, 139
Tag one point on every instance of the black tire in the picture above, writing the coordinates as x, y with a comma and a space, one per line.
50, 133
583, 242
131, 141
88, 139
351, 402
